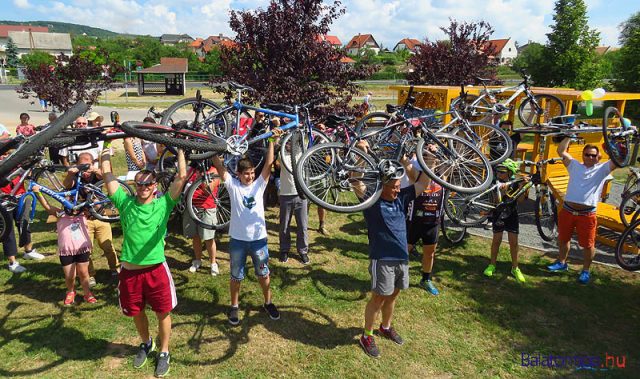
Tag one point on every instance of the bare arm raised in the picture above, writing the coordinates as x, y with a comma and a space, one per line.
107, 174
181, 177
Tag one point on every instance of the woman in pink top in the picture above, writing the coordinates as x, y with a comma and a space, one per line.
25, 128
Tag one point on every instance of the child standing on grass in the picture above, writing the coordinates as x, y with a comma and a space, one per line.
506, 220
74, 248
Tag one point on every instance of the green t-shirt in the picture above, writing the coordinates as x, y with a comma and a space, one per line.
144, 227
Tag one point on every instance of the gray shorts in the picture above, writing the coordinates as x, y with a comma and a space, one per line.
190, 227
387, 276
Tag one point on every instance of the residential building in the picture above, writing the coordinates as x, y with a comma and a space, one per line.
410, 44
203, 46
4, 34
602, 50
174, 39
334, 41
52, 43
503, 50
360, 43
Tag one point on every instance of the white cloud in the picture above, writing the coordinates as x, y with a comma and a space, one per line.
23, 4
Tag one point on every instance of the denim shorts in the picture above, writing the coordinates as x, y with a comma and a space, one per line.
257, 250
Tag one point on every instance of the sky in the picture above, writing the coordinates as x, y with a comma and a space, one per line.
387, 20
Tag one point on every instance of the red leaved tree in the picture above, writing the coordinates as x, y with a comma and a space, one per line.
457, 60
279, 52
71, 79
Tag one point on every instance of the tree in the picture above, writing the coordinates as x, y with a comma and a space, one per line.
37, 58
629, 27
12, 53
570, 51
277, 51
462, 57
626, 65
71, 79
532, 60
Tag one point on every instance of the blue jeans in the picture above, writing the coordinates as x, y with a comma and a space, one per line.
238, 251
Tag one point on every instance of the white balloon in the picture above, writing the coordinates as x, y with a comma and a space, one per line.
598, 93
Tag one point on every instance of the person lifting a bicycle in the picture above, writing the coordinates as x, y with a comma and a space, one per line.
578, 212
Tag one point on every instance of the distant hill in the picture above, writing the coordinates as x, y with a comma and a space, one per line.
73, 29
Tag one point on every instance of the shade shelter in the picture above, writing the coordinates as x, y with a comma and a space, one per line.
166, 78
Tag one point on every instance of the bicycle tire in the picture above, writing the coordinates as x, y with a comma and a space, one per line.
464, 214
618, 148
221, 124
466, 170
495, 143
285, 146
627, 252
484, 114
223, 205
5, 223
546, 215
61, 142
298, 147
48, 178
325, 171
632, 183
629, 206
161, 134
39, 140
553, 107
452, 232
372, 121
101, 207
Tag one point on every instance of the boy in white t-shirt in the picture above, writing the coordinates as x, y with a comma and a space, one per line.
247, 229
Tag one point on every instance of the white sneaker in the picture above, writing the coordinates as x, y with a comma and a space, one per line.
195, 265
92, 282
214, 269
33, 254
17, 268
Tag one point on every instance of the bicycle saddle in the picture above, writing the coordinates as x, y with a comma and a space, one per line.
482, 80
336, 119
392, 108
278, 107
237, 86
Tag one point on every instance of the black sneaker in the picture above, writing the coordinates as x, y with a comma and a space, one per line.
304, 257
284, 256
369, 346
391, 334
272, 311
232, 315
141, 357
162, 365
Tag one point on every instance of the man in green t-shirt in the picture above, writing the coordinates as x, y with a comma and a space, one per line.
145, 277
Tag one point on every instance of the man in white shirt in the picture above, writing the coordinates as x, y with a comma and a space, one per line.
247, 228
69, 154
578, 212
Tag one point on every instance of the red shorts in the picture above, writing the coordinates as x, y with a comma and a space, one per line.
585, 227
152, 285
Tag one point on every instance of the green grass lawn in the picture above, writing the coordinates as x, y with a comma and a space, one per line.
477, 327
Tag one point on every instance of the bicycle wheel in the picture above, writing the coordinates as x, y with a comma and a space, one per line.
492, 141
304, 145
476, 110
632, 183
457, 164
627, 249
200, 199
39, 140
329, 172
383, 144
195, 112
618, 146
541, 110
546, 215
463, 212
629, 207
182, 138
100, 206
451, 231
373, 121
5, 222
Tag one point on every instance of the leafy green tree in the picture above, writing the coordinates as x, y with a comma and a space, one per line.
12, 53
532, 60
626, 69
629, 28
570, 53
37, 59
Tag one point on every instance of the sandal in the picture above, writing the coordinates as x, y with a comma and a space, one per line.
70, 298
89, 298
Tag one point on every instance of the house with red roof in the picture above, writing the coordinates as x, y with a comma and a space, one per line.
407, 44
4, 34
502, 50
203, 46
360, 43
334, 41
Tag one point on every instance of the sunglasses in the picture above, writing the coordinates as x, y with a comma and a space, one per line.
145, 184
591, 155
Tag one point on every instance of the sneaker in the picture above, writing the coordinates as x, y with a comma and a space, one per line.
92, 282
584, 277
195, 265
70, 298
304, 257
489, 270
215, 270
391, 334
89, 298
429, 287
284, 256
518, 274
232, 315
322, 230
369, 346
17, 268
162, 365
558, 266
33, 254
272, 311
141, 357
